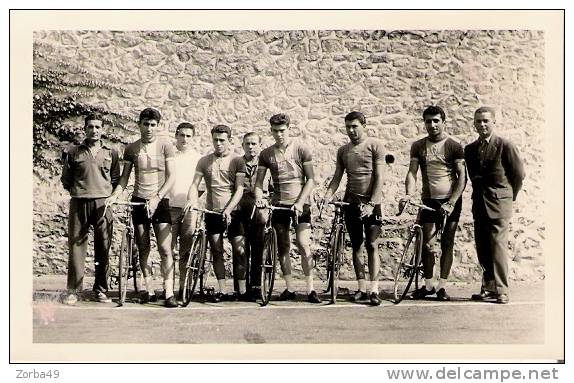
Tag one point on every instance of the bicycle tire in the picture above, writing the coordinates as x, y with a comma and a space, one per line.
337, 246
124, 268
193, 268
409, 265
135, 264
268, 266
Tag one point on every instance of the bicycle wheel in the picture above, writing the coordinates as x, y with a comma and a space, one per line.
409, 265
124, 267
268, 265
334, 265
193, 268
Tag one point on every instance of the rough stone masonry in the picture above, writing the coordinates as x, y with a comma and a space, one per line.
241, 78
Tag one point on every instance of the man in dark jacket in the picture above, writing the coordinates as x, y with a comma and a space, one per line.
496, 172
91, 171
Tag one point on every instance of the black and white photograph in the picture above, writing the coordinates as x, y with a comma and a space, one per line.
346, 183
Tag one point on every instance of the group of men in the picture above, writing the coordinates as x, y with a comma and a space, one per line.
168, 178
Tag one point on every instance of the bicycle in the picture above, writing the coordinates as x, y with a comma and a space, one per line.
410, 267
195, 271
336, 248
270, 254
128, 260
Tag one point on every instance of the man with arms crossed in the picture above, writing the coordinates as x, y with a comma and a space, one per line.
441, 160
363, 159
152, 158
224, 176
496, 172
291, 167
91, 171
181, 226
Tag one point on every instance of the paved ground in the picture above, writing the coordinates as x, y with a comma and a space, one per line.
411, 322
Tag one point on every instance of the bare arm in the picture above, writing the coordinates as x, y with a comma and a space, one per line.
261, 171
120, 187
169, 178
308, 188
411, 178
377, 194
335, 182
237, 193
192, 192
460, 182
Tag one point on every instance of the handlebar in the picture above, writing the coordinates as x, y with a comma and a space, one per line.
419, 205
128, 203
339, 203
205, 211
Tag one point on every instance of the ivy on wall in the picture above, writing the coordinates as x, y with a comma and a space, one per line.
61, 97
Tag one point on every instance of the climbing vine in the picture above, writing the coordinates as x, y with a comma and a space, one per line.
61, 97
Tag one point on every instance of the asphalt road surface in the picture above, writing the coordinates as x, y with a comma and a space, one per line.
410, 322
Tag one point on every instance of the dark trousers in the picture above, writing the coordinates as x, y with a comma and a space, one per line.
86, 212
491, 238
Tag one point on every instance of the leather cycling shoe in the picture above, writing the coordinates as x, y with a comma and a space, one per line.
313, 297
422, 293
217, 297
359, 296
287, 295
503, 299
170, 302
483, 295
441, 295
374, 299
144, 296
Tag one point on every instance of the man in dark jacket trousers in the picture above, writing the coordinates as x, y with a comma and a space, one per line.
496, 172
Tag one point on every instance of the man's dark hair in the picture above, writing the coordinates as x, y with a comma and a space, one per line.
150, 114
279, 119
249, 134
356, 116
433, 111
221, 129
485, 109
185, 125
94, 116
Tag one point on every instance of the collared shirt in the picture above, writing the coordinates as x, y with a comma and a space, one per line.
149, 161
359, 161
91, 175
250, 178
482, 146
221, 173
286, 167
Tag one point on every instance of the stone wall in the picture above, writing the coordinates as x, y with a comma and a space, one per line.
242, 78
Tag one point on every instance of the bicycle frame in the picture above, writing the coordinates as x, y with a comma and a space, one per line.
335, 252
132, 261
410, 265
196, 262
268, 266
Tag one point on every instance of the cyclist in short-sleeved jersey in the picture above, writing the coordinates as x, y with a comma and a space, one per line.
224, 176
363, 160
152, 157
441, 160
291, 166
